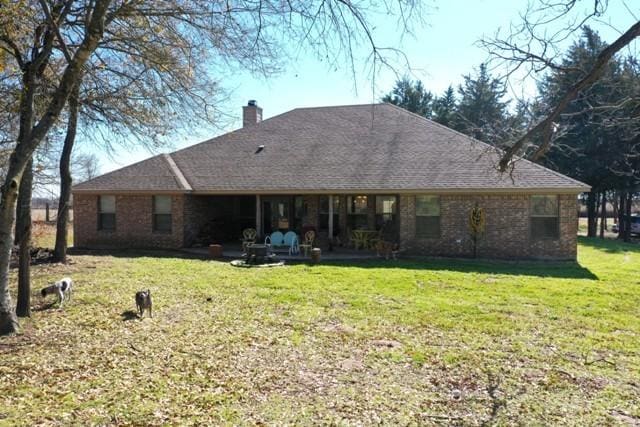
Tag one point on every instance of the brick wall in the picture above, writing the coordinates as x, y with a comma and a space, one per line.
134, 223
197, 212
342, 219
506, 234
313, 208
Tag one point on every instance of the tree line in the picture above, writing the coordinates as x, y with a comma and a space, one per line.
596, 139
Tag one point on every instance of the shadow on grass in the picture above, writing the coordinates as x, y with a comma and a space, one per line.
128, 315
45, 306
557, 269
137, 253
613, 246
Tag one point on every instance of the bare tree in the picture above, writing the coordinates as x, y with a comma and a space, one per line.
63, 38
62, 220
85, 166
31, 54
533, 46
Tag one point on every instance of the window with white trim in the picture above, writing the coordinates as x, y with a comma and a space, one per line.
544, 219
107, 213
162, 214
428, 217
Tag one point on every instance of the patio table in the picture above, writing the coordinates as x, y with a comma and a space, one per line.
363, 238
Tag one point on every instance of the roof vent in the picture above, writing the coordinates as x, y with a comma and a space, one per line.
260, 148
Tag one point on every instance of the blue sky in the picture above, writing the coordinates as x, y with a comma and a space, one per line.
439, 53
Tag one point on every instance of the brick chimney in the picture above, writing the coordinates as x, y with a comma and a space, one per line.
251, 114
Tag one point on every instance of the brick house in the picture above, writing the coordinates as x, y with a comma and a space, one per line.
334, 169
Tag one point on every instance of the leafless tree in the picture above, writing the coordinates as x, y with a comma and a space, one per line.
86, 166
59, 39
535, 45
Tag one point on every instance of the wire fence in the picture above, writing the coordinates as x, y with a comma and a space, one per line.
44, 215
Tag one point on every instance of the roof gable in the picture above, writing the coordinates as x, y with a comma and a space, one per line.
157, 173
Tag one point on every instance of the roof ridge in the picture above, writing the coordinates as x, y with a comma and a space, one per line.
231, 132
520, 158
373, 104
177, 173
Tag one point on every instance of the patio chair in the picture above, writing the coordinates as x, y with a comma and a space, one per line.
278, 240
274, 239
307, 244
248, 238
291, 241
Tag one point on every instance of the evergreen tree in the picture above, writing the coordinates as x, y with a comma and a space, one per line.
481, 111
595, 142
412, 96
444, 108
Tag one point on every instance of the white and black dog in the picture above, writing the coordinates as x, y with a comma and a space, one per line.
63, 288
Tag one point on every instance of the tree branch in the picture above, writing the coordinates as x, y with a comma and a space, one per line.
545, 126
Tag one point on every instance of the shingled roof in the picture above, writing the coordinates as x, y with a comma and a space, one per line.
372, 148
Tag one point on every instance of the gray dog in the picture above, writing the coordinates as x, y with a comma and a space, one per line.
62, 288
143, 302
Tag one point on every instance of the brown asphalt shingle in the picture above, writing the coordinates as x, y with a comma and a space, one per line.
346, 148
153, 174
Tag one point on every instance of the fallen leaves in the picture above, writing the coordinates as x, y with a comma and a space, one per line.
304, 346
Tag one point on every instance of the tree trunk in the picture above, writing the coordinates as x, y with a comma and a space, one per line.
591, 214
23, 233
627, 216
621, 210
25, 147
8, 319
62, 225
603, 214
17, 163
597, 213
614, 202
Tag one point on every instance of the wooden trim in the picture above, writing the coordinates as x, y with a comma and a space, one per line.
439, 191
462, 191
130, 193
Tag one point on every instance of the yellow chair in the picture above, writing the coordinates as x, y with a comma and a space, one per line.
248, 238
307, 245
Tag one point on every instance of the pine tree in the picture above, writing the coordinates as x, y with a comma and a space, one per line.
595, 143
444, 108
481, 111
412, 96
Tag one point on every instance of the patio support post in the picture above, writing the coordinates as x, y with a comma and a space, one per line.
330, 217
258, 216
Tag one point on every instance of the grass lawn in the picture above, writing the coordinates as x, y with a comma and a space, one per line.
360, 343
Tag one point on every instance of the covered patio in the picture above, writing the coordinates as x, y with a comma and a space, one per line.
340, 222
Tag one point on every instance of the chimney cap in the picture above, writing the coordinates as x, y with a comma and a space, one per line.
252, 103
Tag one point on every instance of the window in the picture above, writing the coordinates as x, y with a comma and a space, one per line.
544, 217
323, 213
357, 207
385, 210
107, 213
428, 216
299, 212
162, 213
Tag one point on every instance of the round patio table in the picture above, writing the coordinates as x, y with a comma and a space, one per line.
363, 238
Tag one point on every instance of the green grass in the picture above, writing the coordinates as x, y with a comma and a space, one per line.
526, 343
